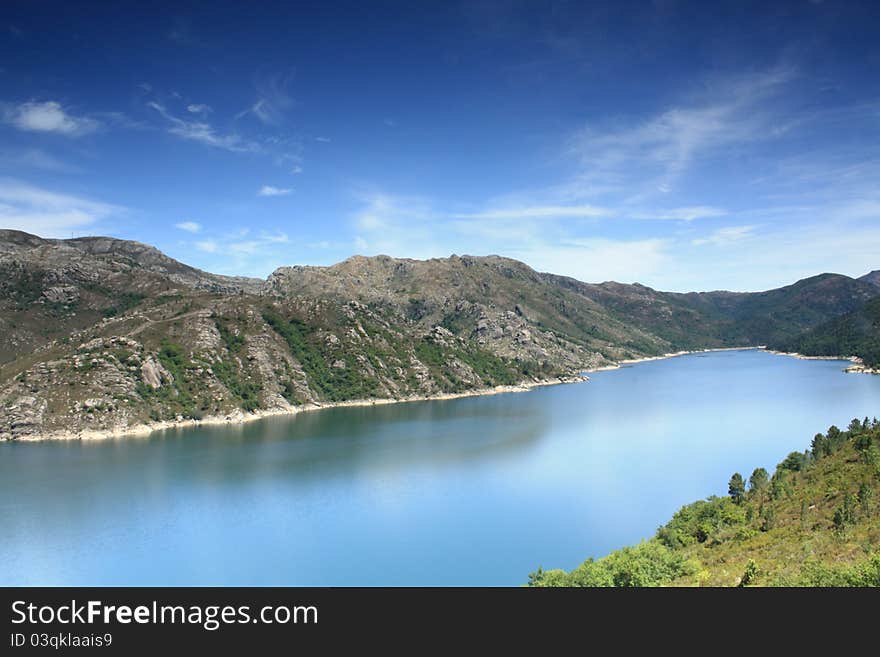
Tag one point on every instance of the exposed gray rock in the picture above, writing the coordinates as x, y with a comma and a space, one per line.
65, 294
154, 374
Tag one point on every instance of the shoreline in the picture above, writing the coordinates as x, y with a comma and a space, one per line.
672, 354
240, 417
857, 367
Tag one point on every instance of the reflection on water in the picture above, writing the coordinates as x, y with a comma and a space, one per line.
469, 491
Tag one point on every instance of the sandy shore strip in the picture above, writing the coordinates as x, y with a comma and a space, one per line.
794, 354
858, 366
673, 354
240, 417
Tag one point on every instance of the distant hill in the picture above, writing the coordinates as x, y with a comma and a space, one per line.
814, 522
723, 319
873, 278
772, 316
102, 334
856, 333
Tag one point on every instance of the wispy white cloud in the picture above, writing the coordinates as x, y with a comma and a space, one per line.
753, 262
34, 158
690, 213
598, 259
189, 226
269, 190
257, 246
204, 133
540, 211
380, 211
744, 257
655, 152
323, 140
240, 252
47, 213
259, 109
412, 227
274, 238
198, 108
725, 236
121, 120
47, 116
273, 100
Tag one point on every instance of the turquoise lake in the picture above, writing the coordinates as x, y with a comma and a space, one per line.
472, 491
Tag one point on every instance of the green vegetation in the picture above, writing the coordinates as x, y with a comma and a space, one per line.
231, 340
23, 286
333, 383
177, 397
813, 523
246, 392
123, 303
854, 334
736, 488
647, 564
186, 395
865, 573
492, 370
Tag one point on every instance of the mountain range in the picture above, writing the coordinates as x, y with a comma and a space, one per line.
102, 335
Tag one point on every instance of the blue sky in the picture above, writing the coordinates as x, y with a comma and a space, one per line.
686, 146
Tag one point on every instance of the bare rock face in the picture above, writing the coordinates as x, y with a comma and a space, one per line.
22, 417
64, 294
523, 336
442, 336
154, 374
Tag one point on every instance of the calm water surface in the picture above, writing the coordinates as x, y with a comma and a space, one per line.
475, 491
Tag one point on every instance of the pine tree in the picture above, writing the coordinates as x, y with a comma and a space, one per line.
866, 499
863, 443
736, 488
820, 446
759, 481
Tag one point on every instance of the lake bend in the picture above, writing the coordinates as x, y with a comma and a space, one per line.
470, 491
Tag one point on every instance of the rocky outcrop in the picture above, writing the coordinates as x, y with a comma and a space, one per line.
154, 375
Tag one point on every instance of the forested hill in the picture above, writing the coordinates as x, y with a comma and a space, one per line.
814, 522
856, 333
722, 319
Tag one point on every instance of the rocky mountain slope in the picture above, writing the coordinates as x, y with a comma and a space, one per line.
101, 335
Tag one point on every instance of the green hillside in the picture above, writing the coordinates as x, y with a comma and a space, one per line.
697, 320
814, 522
855, 334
